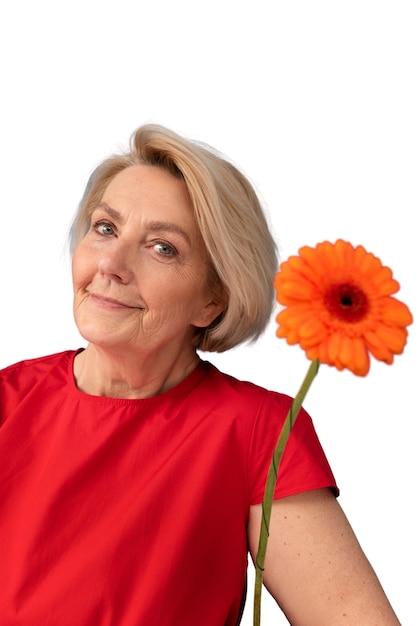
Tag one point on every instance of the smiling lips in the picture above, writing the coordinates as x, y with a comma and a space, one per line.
110, 303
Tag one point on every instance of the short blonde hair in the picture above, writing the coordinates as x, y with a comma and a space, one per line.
240, 246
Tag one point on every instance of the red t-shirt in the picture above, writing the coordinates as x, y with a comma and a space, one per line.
121, 512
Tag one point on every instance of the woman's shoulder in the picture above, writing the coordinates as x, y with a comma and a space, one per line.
35, 365
20, 377
226, 388
31, 379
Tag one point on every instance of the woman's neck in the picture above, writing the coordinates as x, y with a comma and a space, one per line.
99, 372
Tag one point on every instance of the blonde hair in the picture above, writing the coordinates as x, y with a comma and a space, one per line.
231, 220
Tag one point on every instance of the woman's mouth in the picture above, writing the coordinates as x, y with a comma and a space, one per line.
111, 303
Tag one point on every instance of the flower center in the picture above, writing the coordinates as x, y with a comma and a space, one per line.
346, 302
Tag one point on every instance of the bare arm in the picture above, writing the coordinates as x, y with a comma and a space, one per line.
315, 568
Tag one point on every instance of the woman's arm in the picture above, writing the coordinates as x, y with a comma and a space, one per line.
315, 568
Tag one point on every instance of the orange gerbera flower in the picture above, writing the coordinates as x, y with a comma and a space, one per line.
339, 306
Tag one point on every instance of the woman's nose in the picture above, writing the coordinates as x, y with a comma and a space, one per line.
116, 261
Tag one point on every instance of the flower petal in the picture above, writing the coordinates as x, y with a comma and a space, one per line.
395, 312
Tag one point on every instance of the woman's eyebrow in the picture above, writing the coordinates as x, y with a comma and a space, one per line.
158, 226
111, 212
153, 226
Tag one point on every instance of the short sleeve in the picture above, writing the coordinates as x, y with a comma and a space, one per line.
303, 466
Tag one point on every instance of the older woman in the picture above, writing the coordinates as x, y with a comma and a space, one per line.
133, 471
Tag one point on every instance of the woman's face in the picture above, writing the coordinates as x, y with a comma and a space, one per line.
140, 274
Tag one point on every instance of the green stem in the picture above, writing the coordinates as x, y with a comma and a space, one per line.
271, 483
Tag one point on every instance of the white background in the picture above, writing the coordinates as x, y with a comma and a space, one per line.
317, 102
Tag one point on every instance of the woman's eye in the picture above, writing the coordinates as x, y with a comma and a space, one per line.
104, 228
165, 249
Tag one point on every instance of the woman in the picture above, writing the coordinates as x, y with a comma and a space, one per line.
133, 471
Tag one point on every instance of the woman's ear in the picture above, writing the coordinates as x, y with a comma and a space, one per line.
215, 306
209, 313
